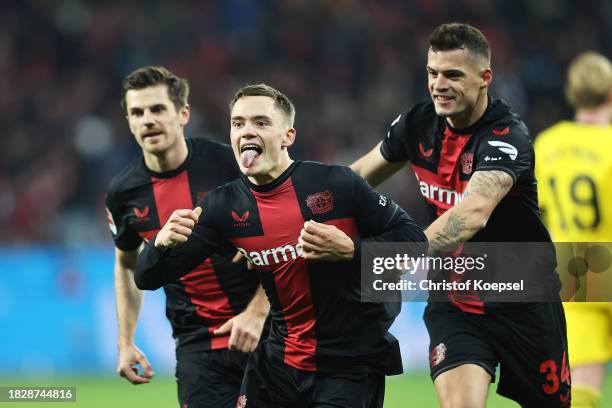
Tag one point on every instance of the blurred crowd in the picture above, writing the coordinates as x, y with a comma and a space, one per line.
349, 66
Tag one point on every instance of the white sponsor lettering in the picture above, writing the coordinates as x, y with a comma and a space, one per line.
273, 255
505, 148
440, 194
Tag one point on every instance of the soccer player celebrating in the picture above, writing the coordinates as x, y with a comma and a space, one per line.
574, 170
300, 224
474, 162
208, 307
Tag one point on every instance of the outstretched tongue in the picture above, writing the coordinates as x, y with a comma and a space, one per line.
247, 157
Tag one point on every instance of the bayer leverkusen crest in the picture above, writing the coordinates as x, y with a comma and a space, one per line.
466, 162
437, 355
320, 203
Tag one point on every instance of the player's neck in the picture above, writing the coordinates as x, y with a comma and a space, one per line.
470, 116
597, 116
169, 159
273, 174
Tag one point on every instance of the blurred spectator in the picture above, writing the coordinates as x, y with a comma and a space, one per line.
347, 63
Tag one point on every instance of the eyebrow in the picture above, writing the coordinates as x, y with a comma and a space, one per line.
152, 107
448, 72
257, 117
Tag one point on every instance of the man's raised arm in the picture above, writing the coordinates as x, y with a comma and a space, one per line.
460, 223
182, 244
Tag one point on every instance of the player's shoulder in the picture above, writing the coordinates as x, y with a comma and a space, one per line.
555, 133
320, 171
336, 178
501, 122
132, 175
208, 148
422, 112
573, 133
201, 144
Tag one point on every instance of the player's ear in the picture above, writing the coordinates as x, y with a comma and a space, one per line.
288, 138
486, 77
184, 114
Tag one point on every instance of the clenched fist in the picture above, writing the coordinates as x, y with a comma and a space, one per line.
322, 242
178, 228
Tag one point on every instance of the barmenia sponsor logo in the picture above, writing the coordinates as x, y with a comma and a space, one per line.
440, 194
272, 255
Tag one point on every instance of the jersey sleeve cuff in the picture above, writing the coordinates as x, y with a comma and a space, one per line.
127, 247
387, 155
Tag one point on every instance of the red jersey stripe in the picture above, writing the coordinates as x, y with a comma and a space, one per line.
201, 284
210, 301
281, 218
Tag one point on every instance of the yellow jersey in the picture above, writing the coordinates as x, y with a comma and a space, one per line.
574, 173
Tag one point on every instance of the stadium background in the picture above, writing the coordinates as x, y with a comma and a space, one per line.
349, 66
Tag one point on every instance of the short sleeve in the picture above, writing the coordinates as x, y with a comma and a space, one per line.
508, 149
124, 236
394, 146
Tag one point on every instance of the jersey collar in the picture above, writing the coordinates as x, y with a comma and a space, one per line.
274, 183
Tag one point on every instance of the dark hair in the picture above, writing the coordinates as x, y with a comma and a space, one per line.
281, 101
178, 88
454, 36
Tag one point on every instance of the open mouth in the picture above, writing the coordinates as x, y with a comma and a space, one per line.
151, 134
248, 153
251, 146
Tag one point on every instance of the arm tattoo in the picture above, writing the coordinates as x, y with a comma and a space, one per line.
492, 184
450, 235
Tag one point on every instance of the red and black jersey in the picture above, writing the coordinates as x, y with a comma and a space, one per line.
140, 201
318, 320
444, 159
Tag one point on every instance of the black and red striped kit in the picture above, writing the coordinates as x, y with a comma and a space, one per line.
318, 321
522, 337
139, 202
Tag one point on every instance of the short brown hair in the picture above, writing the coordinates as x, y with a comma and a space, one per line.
281, 101
454, 36
178, 88
589, 80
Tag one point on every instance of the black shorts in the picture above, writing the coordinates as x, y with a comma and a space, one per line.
529, 344
271, 383
209, 378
